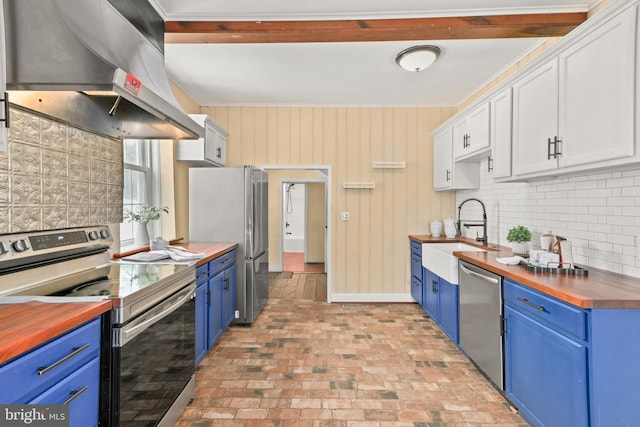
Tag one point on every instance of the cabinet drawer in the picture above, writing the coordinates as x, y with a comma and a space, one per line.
202, 274
556, 313
48, 364
81, 391
416, 248
221, 263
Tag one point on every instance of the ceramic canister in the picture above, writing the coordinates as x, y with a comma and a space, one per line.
436, 228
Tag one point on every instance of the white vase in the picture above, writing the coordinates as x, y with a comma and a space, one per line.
520, 248
141, 234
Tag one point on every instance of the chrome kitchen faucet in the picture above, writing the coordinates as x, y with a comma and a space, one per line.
483, 224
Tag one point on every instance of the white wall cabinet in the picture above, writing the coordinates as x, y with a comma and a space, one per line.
207, 151
447, 174
576, 111
499, 163
471, 134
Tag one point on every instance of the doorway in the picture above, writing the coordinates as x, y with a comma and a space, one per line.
303, 226
299, 220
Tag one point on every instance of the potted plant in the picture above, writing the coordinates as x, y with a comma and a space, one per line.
519, 237
141, 217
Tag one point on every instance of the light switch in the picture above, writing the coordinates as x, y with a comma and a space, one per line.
344, 216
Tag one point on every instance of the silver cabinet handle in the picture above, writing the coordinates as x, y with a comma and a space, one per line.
529, 303
75, 352
75, 395
479, 275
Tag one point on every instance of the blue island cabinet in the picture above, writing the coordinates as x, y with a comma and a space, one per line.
566, 366
215, 301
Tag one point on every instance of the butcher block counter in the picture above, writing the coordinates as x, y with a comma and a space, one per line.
26, 325
210, 250
598, 289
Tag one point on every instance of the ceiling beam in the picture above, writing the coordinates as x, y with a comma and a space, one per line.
365, 30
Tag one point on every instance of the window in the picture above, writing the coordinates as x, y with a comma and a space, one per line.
140, 184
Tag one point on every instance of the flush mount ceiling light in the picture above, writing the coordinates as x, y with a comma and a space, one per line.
417, 58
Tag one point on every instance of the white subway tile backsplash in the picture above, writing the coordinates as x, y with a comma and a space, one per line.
599, 213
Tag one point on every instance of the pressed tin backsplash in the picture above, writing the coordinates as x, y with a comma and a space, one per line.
56, 176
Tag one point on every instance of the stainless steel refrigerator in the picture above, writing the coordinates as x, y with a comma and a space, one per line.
231, 205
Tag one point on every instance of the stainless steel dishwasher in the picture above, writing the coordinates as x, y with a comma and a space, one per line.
481, 320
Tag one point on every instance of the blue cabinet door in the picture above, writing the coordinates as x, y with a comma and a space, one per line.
448, 309
545, 372
416, 272
430, 294
229, 296
202, 311
416, 290
216, 285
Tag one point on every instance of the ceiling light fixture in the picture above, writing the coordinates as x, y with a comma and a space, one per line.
417, 58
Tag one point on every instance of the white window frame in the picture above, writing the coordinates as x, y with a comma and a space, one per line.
149, 154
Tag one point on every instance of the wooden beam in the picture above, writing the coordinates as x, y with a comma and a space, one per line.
462, 27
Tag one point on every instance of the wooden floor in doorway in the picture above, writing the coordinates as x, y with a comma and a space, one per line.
300, 286
294, 261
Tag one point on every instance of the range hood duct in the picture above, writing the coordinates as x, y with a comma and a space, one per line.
84, 63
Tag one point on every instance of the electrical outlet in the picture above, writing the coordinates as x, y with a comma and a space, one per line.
344, 216
237, 314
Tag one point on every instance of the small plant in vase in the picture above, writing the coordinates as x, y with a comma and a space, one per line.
141, 217
519, 237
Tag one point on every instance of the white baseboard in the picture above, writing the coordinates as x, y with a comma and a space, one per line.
275, 268
362, 298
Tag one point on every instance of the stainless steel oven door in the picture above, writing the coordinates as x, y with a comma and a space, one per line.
124, 334
154, 362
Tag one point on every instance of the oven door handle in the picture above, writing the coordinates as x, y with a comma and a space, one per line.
130, 331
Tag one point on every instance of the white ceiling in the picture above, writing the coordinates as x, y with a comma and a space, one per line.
341, 74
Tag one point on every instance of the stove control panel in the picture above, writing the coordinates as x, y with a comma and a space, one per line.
20, 245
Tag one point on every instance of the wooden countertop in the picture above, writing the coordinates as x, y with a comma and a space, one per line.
26, 325
598, 289
211, 250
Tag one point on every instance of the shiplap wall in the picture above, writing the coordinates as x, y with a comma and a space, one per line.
370, 251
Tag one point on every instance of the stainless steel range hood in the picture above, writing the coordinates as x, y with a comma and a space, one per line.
84, 63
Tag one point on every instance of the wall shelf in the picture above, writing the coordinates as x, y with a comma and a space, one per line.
356, 185
389, 165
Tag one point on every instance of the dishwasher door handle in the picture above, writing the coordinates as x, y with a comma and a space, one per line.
479, 276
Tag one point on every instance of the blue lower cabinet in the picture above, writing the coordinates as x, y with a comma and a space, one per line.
448, 305
215, 308
80, 392
215, 301
430, 294
441, 302
416, 271
546, 373
66, 370
202, 309
229, 297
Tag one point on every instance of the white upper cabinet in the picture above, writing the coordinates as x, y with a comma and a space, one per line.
447, 174
576, 111
597, 75
499, 163
207, 151
471, 134
535, 118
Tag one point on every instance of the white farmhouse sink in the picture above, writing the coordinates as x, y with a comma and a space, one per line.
439, 259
